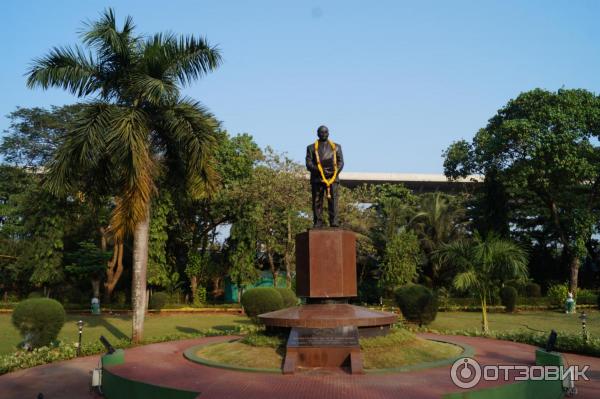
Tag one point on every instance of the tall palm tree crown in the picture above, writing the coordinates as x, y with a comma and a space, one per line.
135, 117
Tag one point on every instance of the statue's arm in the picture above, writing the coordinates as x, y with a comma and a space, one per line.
310, 163
340, 157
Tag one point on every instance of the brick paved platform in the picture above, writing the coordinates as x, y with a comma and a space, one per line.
152, 362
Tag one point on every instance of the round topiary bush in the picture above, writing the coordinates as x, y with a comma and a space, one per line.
533, 290
288, 296
417, 303
39, 320
509, 295
260, 300
158, 300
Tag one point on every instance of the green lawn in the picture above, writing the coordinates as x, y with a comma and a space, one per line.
529, 321
118, 327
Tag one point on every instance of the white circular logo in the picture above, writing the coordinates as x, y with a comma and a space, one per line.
465, 373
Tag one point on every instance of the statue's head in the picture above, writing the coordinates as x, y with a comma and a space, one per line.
323, 133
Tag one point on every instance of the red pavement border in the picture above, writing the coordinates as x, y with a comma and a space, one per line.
151, 363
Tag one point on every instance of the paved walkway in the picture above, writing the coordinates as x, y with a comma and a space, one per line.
151, 363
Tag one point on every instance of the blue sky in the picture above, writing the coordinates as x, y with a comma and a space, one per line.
395, 81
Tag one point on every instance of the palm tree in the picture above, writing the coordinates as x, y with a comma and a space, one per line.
484, 263
440, 219
134, 126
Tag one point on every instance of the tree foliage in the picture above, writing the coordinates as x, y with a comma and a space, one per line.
542, 148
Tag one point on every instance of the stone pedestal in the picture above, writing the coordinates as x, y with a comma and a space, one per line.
322, 333
326, 264
323, 347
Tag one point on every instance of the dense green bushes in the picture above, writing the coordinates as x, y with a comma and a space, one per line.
533, 290
261, 300
417, 303
39, 320
158, 300
508, 296
288, 296
557, 293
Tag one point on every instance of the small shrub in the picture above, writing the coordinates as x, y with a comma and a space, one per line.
517, 285
509, 295
39, 320
260, 300
533, 290
158, 300
417, 303
557, 293
288, 296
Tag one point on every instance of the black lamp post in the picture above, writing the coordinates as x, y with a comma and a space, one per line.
80, 326
584, 332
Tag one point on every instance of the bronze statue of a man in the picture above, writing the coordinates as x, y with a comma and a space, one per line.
325, 161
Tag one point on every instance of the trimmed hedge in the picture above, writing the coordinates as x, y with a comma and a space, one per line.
509, 295
533, 290
417, 303
158, 300
288, 296
260, 300
39, 320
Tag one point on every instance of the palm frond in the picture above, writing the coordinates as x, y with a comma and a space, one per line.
468, 280
70, 68
104, 35
81, 148
457, 254
193, 131
191, 58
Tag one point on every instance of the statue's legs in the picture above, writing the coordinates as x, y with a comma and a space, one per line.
332, 205
319, 190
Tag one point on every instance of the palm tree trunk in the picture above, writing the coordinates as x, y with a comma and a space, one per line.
484, 320
138, 289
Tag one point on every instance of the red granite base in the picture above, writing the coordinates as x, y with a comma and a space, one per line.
327, 316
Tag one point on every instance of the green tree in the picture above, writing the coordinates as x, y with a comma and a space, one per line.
542, 149
242, 249
34, 134
484, 263
401, 261
88, 262
136, 124
196, 223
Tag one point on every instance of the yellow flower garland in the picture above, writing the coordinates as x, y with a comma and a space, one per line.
328, 182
